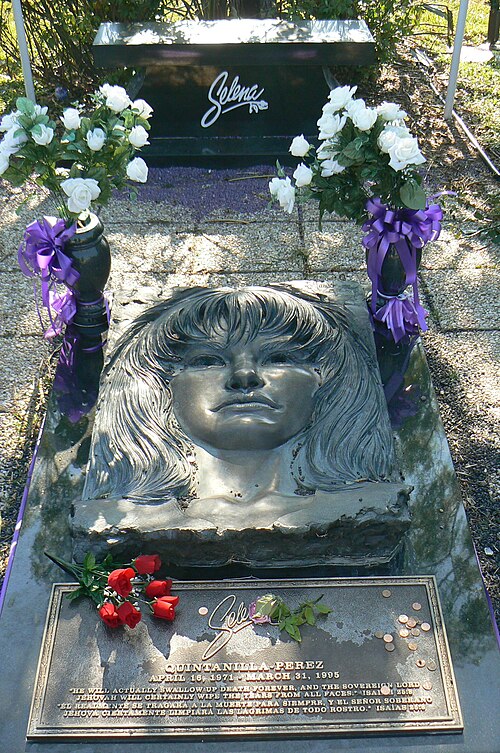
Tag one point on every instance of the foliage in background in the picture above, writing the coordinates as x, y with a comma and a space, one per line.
60, 36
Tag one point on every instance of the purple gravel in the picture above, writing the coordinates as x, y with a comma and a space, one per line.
204, 191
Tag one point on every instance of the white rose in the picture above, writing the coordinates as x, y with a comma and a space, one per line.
329, 125
391, 111
331, 167
282, 190
42, 134
39, 110
71, 119
364, 118
117, 98
137, 170
138, 136
11, 144
95, 139
390, 135
303, 175
340, 96
4, 162
405, 152
80, 192
145, 110
328, 149
299, 146
9, 121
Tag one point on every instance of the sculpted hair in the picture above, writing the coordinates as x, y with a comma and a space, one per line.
140, 452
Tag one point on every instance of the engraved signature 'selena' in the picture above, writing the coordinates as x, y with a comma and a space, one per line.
224, 98
227, 622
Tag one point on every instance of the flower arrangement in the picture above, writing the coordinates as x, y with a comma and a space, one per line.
80, 157
367, 168
117, 591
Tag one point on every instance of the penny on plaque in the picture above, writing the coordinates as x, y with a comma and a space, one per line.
203, 611
425, 626
427, 685
416, 606
412, 646
415, 632
385, 690
379, 634
388, 638
403, 619
411, 622
404, 633
420, 663
431, 665
390, 646
386, 593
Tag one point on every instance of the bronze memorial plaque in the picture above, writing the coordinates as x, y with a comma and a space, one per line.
213, 672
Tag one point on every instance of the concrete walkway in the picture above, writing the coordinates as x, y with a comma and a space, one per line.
205, 242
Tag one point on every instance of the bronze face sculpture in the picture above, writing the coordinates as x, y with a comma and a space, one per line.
240, 407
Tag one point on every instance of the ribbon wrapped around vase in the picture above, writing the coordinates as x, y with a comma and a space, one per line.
408, 230
41, 255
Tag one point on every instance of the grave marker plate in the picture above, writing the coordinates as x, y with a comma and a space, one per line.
378, 663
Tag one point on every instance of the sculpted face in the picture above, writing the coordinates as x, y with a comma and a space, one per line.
249, 396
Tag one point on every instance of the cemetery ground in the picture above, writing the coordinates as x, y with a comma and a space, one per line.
212, 226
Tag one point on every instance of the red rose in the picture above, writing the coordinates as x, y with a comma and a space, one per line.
119, 581
109, 615
147, 564
164, 607
158, 588
128, 614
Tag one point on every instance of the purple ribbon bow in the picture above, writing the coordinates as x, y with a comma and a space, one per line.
41, 255
408, 230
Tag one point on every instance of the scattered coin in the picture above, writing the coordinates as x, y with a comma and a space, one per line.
415, 632
403, 619
389, 646
385, 690
386, 593
388, 638
420, 663
411, 622
416, 606
431, 665
203, 610
379, 634
425, 626
412, 646
404, 633
427, 685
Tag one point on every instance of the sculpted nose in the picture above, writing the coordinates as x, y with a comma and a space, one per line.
244, 377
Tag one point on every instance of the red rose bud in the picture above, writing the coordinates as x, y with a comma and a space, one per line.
164, 607
119, 581
128, 614
158, 588
147, 564
109, 615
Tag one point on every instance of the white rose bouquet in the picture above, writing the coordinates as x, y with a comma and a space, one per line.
366, 168
364, 152
80, 157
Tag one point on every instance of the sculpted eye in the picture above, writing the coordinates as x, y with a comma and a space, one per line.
279, 358
206, 359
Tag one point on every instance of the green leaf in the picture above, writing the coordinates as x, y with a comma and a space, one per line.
89, 561
293, 631
25, 105
412, 195
309, 616
323, 609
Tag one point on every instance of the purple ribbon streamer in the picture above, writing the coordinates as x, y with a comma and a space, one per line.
41, 255
407, 230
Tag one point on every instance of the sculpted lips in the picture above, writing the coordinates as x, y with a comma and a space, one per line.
247, 401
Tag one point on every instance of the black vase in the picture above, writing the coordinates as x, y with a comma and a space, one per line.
392, 279
89, 252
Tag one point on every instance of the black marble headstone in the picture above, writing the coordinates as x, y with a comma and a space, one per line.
233, 87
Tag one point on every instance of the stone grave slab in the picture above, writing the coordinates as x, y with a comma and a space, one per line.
437, 544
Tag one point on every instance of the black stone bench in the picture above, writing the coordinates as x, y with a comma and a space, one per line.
233, 87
